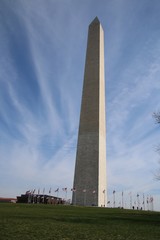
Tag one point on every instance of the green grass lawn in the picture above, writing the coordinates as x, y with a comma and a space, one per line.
24, 221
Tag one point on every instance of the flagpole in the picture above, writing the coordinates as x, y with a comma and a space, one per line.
147, 203
151, 203
66, 195
104, 191
94, 198
29, 196
130, 200
50, 195
84, 198
143, 202
84, 191
74, 196
122, 200
33, 195
38, 198
137, 201
43, 194
114, 200
57, 193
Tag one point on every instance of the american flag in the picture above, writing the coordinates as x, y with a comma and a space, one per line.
151, 199
73, 189
28, 192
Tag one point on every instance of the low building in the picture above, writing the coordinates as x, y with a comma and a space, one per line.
39, 198
8, 200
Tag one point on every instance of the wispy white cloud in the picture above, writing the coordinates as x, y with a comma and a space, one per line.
131, 132
25, 159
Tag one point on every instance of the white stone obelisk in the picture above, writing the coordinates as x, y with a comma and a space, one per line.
90, 169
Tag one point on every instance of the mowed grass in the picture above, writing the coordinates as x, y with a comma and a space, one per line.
24, 221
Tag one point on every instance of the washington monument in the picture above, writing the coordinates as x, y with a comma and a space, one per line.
89, 186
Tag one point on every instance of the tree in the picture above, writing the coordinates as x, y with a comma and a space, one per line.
156, 116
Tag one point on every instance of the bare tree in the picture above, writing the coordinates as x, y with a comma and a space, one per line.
156, 116
157, 175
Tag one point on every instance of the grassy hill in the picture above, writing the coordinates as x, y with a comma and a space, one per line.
30, 222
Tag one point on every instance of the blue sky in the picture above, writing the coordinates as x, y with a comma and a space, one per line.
42, 49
